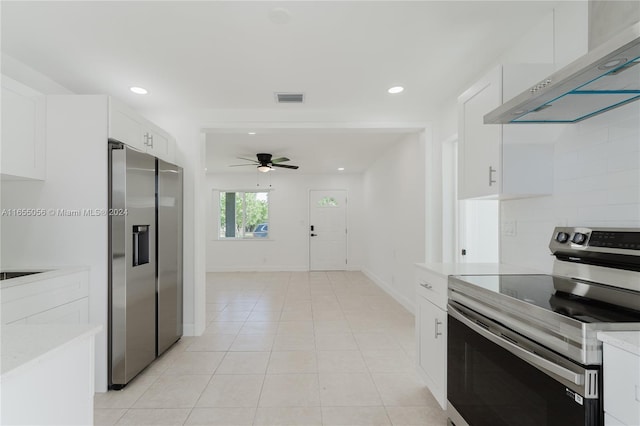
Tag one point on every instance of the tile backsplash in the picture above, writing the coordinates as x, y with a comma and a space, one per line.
596, 183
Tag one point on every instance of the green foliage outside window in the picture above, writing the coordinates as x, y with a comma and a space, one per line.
249, 210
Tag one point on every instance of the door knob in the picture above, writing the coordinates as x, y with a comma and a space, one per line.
314, 235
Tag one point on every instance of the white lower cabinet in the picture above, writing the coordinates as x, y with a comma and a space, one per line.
432, 341
612, 421
621, 386
431, 333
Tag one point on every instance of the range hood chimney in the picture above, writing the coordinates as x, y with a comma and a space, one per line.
605, 78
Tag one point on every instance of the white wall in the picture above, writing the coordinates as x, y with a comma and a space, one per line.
76, 178
72, 173
395, 207
596, 183
559, 38
30, 77
288, 246
190, 155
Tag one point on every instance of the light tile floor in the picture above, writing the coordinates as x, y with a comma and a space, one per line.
285, 348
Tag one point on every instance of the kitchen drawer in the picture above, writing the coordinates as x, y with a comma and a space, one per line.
42, 295
432, 287
621, 385
76, 312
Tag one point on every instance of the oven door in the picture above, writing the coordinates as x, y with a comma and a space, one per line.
497, 377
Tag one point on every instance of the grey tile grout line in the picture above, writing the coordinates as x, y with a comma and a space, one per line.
255, 414
315, 343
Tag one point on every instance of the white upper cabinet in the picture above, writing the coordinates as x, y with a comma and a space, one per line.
124, 126
128, 127
23, 149
503, 161
158, 144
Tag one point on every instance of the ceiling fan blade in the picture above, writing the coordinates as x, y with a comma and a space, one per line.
248, 159
284, 166
240, 165
280, 160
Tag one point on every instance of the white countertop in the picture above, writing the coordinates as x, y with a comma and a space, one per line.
446, 269
49, 272
626, 340
26, 345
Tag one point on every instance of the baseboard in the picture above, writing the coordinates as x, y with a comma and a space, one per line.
271, 269
188, 330
408, 304
264, 268
391, 291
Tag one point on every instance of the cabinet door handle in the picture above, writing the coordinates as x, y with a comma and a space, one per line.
427, 286
491, 179
151, 140
437, 333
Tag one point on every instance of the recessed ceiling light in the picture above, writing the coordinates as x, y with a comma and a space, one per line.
138, 90
252, 133
340, 168
395, 89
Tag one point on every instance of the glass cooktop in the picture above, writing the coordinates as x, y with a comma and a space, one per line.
542, 291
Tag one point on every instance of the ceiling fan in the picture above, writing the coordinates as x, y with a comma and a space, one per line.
265, 163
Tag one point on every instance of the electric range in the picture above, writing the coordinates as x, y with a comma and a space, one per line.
522, 349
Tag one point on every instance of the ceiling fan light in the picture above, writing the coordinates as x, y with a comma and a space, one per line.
264, 169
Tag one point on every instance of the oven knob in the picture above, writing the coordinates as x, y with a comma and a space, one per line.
579, 238
562, 237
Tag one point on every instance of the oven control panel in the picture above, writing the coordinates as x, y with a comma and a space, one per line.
604, 240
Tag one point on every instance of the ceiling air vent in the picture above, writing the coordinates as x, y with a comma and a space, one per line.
290, 98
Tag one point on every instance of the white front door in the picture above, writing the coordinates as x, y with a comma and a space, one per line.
327, 230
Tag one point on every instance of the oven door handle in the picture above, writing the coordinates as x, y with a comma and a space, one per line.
533, 359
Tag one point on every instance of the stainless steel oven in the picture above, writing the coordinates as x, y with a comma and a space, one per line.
522, 349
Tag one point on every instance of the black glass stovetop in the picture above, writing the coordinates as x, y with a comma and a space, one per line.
541, 291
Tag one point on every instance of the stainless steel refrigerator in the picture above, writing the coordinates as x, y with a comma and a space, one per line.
145, 271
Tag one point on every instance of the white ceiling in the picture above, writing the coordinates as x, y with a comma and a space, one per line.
233, 55
314, 151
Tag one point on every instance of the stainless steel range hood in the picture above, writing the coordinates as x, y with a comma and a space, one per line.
605, 78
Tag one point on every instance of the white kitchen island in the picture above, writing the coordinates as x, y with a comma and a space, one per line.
47, 350
47, 374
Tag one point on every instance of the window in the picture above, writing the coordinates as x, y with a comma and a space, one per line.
327, 202
244, 215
